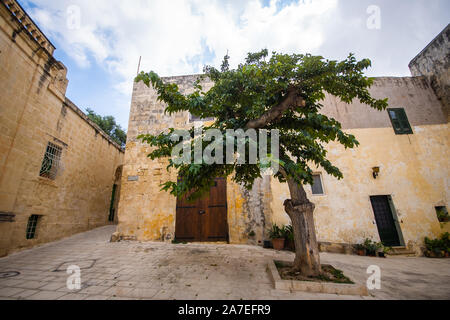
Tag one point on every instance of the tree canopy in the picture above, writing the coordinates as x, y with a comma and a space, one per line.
283, 92
109, 125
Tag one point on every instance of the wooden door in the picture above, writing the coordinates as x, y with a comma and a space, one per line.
385, 221
206, 219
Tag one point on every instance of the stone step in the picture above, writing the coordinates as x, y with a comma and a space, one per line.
401, 251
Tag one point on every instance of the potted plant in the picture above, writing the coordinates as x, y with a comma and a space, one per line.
382, 252
442, 214
438, 248
267, 244
372, 247
289, 238
360, 249
277, 236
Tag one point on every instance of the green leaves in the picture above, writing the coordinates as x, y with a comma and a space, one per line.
250, 91
109, 125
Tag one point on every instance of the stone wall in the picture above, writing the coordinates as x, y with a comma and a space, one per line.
414, 171
414, 168
414, 94
33, 112
434, 63
145, 212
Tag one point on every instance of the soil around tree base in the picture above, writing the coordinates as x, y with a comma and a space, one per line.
329, 274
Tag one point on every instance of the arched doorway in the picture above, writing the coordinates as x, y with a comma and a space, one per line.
206, 219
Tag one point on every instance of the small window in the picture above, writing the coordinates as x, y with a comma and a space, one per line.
400, 121
193, 118
51, 162
442, 214
31, 227
317, 187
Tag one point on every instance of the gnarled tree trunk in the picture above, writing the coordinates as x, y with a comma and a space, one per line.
299, 208
301, 212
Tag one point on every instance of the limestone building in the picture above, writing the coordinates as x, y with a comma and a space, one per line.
393, 183
433, 62
58, 169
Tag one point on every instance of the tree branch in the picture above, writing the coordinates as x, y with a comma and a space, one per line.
291, 100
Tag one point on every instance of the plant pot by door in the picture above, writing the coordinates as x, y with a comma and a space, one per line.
278, 244
361, 252
371, 253
267, 244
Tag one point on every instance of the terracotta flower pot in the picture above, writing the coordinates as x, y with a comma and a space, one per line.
278, 244
371, 253
361, 252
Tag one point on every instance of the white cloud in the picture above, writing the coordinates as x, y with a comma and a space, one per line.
174, 37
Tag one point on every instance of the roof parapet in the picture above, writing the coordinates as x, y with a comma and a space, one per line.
28, 24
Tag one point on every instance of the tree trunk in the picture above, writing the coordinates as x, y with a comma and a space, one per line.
301, 212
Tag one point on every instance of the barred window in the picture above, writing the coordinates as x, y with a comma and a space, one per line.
31, 226
51, 162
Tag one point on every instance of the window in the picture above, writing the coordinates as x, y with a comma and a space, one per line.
317, 187
442, 214
400, 121
193, 118
31, 227
51, 162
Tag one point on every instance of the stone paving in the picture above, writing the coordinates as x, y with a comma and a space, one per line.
151, 270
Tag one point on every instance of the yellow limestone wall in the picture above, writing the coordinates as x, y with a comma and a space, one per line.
33, 112
414, 171
445, 227
145, 212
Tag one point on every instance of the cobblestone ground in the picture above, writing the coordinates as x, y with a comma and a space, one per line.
134, 270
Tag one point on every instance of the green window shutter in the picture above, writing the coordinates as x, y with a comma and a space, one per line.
400, 121
404, 122
395, 121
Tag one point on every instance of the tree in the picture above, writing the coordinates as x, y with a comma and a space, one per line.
109, 125
281, 92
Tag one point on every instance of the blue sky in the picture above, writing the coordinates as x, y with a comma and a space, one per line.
100, 41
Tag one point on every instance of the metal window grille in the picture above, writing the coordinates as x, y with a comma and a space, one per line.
317, 187
31, 227
52, 162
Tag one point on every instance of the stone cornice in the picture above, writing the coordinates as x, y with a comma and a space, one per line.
28, 25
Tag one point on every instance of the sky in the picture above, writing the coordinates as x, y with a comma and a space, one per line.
101, 41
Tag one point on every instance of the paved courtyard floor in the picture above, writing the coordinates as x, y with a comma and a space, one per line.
151, 270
